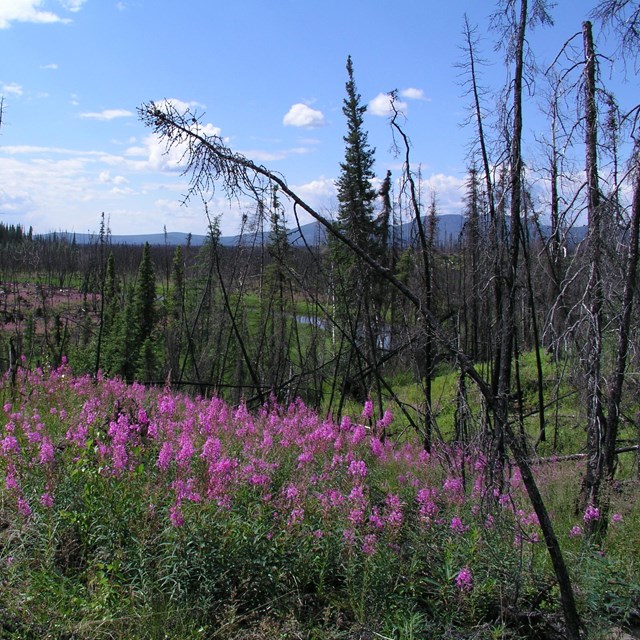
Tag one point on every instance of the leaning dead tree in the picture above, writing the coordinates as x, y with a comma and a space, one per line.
211, 164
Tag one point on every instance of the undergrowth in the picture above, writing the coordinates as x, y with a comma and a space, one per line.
130, 512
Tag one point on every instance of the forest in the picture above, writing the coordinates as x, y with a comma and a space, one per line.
431, 400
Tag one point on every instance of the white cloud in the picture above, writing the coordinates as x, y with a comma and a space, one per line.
448, 190
322, 188
72, 5
107, 114
53, 66
179, 105
24, 11
258, 155
381, 105
412, 93
104, 177
300, 115
12, 88
30, 11
121, 6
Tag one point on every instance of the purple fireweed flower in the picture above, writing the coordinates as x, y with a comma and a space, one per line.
78, 435
375, 519
464, 579
386, 420
259, 479
291, 492
10, 444
166, 405
616, 517
367, 412
356, 517
394, 511
369, 544
358, 469
23, 507
591, 513
211, 449
165, 455
186, 450
359, 434
452, 486
576, 531
357, 494
46, 500
185, 490
175, 515
349, 536
377, 448
304, 457
458, 526
10, 480
296, 515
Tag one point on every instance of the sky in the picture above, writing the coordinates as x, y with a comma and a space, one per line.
269, 77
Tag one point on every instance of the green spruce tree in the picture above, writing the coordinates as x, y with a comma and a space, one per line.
354, 284
356, 195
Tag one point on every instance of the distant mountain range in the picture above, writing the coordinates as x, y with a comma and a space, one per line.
449, 228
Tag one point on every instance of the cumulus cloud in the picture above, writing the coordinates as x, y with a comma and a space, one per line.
107, 114
300, 115
179, 105
449, 191
105, 178
381, 105
24, 11
12, 88
31, 11
73, 5
412, 93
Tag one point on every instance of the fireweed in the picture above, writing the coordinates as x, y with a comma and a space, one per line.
329, 505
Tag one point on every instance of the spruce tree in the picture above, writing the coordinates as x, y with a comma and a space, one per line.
145, 297
356, 303
356, 195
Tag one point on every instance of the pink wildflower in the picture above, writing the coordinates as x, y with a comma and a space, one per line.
358, 468
591, 513
23, 507
616, 517
576, 531
377, 448
458, 526
175, 515
367, 412
386, 420
46, 451
464, 579
46, 500
296, 515
359, 434
165, 455
369, 544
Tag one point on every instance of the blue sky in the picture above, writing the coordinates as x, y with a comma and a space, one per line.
269, 77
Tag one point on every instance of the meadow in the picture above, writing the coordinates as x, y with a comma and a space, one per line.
138, 512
